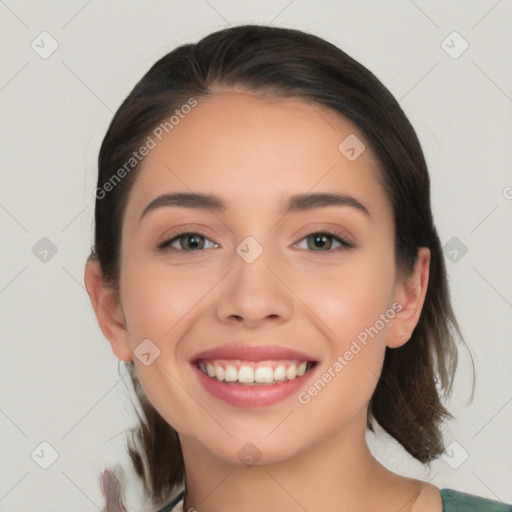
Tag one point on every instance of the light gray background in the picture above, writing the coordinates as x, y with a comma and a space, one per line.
59, 381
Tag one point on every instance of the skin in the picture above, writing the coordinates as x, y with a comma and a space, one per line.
254, 152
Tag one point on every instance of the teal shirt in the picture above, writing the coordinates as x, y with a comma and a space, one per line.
456, 501
453, 501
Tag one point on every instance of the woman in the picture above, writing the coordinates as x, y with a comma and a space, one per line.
265, 248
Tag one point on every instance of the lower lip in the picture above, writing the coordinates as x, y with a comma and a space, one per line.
241, 395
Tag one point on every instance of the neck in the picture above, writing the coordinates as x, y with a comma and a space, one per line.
338, 473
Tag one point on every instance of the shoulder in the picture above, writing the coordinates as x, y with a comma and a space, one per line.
457, 501
429, 499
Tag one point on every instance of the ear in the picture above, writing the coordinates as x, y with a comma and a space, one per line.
108, 310
410, 292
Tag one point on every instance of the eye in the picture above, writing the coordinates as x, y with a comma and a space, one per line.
188, 240
192, 241
318, 241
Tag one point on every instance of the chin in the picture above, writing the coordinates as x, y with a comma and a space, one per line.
255, 452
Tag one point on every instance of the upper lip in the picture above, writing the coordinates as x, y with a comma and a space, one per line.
247, 352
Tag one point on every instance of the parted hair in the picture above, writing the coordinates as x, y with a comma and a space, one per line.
288, 63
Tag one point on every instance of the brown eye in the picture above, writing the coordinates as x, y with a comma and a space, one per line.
188, 241
320, 240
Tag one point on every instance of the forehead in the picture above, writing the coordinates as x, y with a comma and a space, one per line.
255, 149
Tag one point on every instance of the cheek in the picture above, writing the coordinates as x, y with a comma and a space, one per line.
353, 298
157, 300
160, 303
354, 305
167, 394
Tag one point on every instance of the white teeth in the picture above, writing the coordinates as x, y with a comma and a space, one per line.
280, 372
301, 369
219, 372
246, 374
210, 370
230, 374
291, 372
249, 373
264, 374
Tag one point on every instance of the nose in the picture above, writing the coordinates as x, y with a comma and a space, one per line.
254, 294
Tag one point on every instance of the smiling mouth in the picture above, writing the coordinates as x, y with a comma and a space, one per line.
253, 373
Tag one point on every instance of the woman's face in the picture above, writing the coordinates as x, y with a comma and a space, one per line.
257, 287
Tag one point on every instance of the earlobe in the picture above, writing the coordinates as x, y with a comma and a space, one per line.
108, 311
410, 292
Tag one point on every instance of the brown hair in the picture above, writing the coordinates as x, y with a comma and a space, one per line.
290, 63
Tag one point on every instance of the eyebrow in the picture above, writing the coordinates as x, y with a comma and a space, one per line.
299, 202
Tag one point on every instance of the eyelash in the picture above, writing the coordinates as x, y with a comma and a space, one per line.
345, 244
